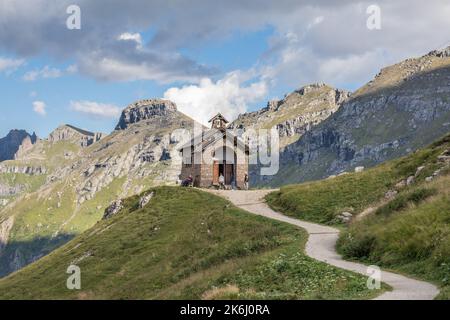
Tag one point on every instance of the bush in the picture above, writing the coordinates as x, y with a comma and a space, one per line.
359, 247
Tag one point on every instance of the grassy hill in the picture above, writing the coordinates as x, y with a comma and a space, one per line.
76, 183
408, 232
185, 244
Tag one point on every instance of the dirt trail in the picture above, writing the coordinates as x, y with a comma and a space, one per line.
321, 246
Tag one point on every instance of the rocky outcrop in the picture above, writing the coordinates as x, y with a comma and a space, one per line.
29, 170
113, 209
144, 200
440, 53
145, 110
134, 162
405, 107
296, 114
301, 124
5, 228
344, 217
73, 134
11, 144
9, 191
26, 145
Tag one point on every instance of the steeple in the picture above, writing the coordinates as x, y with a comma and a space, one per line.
218, 122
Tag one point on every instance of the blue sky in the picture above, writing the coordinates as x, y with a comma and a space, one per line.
236, 51
206, 56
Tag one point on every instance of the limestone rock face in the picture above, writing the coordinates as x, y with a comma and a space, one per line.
405, 107
5, 228
7, 191
11, 144
143, 201
22, 169
113, 209
440, 53
296, 114
70, 133
26, 145
145, 110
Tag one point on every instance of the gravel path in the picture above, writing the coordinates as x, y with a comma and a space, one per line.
321, 246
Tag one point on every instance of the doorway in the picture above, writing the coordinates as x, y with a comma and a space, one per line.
225, 169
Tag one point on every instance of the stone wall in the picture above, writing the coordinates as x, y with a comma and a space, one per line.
203, 174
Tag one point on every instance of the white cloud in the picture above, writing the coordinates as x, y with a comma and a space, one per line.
136, 37
145, 66
10, 65
316, 21
96, 109
44, 73
48, 72
229, 96
326, 31
73, 68
39, 108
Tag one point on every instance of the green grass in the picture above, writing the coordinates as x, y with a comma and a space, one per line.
185, 244
32, 183
409, 234
403, 200
321, 201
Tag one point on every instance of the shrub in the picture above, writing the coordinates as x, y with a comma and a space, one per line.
359, 247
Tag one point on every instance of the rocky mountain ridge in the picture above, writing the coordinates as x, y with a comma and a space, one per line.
296, 113
405, 107
58, 187
68, 132
13, 142
148, 109
78, 180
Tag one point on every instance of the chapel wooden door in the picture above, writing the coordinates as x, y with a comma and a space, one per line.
215, 172
228, 173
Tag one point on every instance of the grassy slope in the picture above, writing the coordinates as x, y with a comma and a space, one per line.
49, 156
410, 234
47, 214
185, 244
320, 201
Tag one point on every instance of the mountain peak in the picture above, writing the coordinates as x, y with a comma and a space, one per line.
312, 87
423, 69
145, 110
67, 132
10, 144
63, 127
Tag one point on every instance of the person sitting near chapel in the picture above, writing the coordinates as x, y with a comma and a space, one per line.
221, 181
188, 182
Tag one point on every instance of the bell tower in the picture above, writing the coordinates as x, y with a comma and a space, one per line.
218, 122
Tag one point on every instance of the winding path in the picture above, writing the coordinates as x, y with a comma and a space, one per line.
321, 246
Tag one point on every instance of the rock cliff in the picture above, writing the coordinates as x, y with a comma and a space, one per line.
294, 115
405, 107
149, 109
11, 144
70, 133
